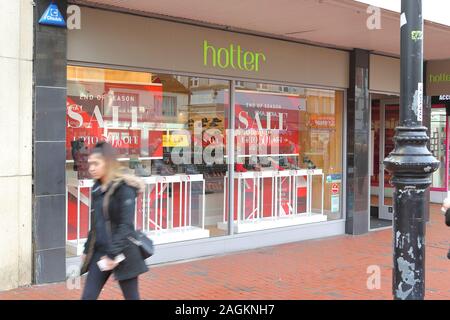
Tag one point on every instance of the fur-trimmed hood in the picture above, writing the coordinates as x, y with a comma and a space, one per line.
128, 179
133, 181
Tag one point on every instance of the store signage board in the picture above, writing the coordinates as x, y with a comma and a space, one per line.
233, 56
441, 99
261, 58
53, 17
438, 78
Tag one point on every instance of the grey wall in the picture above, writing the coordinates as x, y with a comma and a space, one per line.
49, 139
358, 137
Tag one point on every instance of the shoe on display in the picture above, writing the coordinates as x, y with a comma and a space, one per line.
141, 171
167, 171
190, 169
309, 163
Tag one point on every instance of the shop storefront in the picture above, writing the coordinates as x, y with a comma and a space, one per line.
172, 97
385, 114
244, 139
384, 118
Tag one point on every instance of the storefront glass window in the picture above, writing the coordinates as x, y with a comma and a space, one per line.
288, 156
168, 130
171, 131
438, 143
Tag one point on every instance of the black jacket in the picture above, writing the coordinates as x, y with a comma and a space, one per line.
118, 198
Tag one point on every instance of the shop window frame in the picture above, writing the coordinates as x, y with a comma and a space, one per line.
233, 81
445, 188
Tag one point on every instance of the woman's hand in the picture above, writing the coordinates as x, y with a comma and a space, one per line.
110, 264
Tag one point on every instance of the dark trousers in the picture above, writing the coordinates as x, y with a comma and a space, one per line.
96, 279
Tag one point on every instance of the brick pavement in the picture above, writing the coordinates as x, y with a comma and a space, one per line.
331, 268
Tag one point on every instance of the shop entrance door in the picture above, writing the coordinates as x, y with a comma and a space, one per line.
389, 118
384, 119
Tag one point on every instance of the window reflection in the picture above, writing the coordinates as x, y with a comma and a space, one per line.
438, 138
168, 130
171, 131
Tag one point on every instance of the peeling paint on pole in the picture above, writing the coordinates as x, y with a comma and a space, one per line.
417, 105
420, 102
408, 273
420, 242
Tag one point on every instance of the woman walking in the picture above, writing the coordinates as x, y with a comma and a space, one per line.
108, 249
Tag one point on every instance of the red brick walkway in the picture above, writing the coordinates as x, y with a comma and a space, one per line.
332, 268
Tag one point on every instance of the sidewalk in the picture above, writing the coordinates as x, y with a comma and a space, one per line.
332, 268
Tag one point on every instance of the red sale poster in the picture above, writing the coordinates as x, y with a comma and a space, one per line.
115, 112
268, 121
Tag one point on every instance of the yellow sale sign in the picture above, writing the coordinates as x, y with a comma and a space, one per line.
175, 140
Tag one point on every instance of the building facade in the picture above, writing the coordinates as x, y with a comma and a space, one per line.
243, 140
16, 92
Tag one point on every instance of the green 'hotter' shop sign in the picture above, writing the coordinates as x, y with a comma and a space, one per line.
232, 57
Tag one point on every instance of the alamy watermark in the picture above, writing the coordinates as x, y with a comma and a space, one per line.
73, 17
373, 22
374, 280
73, 281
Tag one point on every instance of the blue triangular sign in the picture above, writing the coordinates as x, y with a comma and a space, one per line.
52, 16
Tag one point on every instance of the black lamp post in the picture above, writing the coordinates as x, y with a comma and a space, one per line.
410, 163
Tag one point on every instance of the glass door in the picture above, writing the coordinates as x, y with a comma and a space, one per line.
389, 116
438, 146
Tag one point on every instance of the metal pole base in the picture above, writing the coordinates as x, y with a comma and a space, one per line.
411, 165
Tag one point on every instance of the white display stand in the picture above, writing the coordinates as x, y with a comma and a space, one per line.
74, 186
173, 234
279, 217
159, 234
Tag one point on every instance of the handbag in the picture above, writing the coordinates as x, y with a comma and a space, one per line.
144, 244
